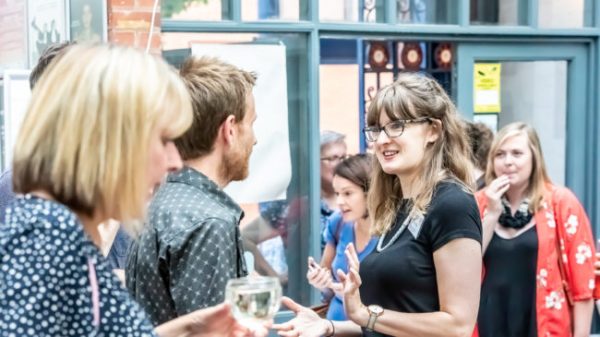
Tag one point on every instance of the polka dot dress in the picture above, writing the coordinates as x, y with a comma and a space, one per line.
53, 280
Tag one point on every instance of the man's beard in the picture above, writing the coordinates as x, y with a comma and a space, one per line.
235, 165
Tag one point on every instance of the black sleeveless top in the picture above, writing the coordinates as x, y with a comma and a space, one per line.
507, 306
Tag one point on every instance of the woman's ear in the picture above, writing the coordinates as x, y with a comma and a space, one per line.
435, 130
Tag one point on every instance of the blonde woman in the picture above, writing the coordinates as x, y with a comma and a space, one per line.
423, 279
528, 225
96, 139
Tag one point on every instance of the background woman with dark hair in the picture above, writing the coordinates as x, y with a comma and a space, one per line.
351, 224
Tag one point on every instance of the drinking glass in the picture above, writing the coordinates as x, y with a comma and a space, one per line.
253, 299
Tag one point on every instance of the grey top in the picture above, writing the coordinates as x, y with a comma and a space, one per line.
189, 249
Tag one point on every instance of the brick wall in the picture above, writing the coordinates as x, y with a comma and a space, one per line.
129, 23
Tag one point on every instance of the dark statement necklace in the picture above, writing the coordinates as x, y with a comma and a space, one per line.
521, 218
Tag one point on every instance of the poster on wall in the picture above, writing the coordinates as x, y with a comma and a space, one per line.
486, 87
270, 162
87, 19
45, 25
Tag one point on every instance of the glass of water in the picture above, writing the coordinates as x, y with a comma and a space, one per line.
254, 298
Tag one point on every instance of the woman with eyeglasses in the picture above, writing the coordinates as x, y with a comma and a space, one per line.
423, 278
351, 224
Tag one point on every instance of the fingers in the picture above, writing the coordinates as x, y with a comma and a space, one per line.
312, 275
336, 286
503, 189
260, 330
355, 276
283, 326
498, 187
351, 256
220, 312
597, 265
290, 304
320, 278
290, 333
241, 331
494, 193
286, 329
341, 276
324, 277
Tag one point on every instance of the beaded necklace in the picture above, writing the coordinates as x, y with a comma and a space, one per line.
406, 205
381, 247
521, 218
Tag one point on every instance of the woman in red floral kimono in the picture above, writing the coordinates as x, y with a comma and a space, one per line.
528, 224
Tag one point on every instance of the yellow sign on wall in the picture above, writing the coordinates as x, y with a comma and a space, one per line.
486, 88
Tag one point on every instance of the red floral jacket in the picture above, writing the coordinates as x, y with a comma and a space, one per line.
561, 213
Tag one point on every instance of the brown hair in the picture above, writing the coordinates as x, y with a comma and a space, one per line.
413, 96
218, 89
539, 176
45, 59
480, 138
357, 169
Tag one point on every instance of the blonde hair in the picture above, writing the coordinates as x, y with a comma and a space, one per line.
414, 96
539, 176
85, 138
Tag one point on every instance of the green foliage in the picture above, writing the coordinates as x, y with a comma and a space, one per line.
170, 7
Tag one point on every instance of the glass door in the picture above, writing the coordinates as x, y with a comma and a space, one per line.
545, 85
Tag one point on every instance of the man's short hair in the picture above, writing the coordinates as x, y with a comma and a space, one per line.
331, 137
480, 138
218, 89
49, 54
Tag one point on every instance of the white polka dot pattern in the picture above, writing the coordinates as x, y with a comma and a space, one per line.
45, 285
188, 251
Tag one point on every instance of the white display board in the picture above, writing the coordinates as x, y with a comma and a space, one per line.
270, 163
16, 100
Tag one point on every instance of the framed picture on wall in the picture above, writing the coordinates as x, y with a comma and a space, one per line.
88, 20
45, 25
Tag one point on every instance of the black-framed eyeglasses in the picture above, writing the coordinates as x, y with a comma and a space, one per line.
392, 129
334, 159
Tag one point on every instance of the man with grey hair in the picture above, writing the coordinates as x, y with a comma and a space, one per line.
333, 151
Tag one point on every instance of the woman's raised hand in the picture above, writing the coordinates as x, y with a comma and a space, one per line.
351, 282
494, 192
318, 276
